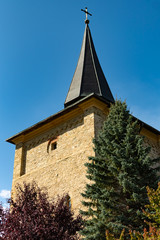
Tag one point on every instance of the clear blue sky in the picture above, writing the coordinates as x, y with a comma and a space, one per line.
40, 42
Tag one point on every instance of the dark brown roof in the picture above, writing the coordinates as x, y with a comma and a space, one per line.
88, 81
68, 109
88, 77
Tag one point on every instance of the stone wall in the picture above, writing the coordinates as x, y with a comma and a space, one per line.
62, 170
155, 147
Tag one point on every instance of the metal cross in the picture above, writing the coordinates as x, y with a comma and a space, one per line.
86, 12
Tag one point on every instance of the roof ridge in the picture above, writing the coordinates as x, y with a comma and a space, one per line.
94, 63
84, 39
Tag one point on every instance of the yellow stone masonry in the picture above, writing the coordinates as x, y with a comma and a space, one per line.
61, 170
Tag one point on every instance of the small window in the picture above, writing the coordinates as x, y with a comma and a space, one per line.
53, 145
68, 201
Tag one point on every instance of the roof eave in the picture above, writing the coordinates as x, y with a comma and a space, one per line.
52, 117
68, 109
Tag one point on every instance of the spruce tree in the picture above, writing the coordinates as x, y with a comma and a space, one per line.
118, 173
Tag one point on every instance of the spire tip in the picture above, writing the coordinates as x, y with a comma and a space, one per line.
86, 21
87, 13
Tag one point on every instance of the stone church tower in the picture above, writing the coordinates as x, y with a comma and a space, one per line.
53, 151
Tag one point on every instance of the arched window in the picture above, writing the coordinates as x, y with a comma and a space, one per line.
52, 144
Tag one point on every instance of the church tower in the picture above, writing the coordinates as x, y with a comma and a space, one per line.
53, 151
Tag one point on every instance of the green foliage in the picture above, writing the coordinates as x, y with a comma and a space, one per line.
152, 234
152, 211
118, 173
110, 236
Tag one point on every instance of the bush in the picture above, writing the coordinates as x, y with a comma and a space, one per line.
33, 216
152, 211
152, 234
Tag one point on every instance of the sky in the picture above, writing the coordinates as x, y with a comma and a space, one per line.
40, 42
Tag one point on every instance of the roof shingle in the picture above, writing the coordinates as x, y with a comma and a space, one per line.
88, 77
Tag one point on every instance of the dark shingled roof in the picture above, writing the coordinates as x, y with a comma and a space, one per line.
68, 109
88, 77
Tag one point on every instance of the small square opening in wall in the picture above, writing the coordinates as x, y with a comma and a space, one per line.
53, 145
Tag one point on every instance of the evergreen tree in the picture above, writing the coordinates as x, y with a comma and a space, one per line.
118, 173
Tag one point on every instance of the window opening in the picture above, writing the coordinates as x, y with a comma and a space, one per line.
68, 201
53, 146
23, 161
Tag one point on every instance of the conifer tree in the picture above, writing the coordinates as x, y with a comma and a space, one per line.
118, 173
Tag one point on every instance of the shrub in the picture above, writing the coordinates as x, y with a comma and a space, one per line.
33, 216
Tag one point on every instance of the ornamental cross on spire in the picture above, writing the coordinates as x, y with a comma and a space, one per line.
87, 13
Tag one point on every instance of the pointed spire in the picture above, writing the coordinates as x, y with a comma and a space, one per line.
88, 77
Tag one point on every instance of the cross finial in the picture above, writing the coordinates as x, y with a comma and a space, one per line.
87, 13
